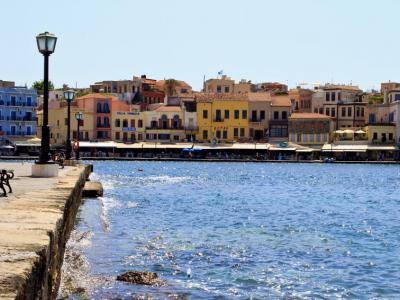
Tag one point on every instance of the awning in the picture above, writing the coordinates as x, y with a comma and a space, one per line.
348, 131
344, 148
281, 149
83, 144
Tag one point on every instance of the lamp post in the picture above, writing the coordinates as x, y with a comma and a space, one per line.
79, 118
69, 96
46, 43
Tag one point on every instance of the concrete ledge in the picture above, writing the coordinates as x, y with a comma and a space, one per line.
34, 228
45, 170
92, 189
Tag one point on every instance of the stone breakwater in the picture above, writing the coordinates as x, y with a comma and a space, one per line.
35, 224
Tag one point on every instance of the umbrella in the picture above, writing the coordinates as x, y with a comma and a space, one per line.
360, 131
339, 131
349, 131
7, 147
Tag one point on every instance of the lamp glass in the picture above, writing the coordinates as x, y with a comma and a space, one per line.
46, 43
69, 95
78, 116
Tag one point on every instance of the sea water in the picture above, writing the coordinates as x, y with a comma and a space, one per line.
242, 230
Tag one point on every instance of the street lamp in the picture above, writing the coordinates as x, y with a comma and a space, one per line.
46, 43
69, 96
79, 118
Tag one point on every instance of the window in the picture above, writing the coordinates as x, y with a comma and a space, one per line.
339, 96
132, 123
140, 123
284, 115
205, 134
321, 110
327, 111
117, 137
262, 114
236, 113
244, 114
349, 112
327, 96
316, 110
357, 111
343, 111
218, 115
242, 132
125, 123
99, 110
235, 132
117, 123
390, 136
218, 134
305, 138
226, 89
225, 134
362, 111
276, 115
333, 96
205, 114
371, 118
219, 89
226, 114
254, 116
375, 136
333, 112
318, 137
312, 138
298, 137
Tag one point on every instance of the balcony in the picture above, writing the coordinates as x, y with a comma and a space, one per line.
17, 119
102, 125
18, 104
164, 128
18, 133
191, 128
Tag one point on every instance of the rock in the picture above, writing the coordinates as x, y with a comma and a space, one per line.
141, 277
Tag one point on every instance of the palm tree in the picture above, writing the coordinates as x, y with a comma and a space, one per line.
170, 86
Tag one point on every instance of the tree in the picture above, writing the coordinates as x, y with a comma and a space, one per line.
170, 86
38, 86
138, 98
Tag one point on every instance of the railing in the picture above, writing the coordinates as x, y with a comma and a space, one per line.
23, 104
103, 125
21, 119
164, 128
18, 133
191, 128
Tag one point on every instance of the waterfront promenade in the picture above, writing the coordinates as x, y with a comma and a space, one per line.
35, 222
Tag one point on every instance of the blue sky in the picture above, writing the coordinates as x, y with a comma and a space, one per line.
289, 41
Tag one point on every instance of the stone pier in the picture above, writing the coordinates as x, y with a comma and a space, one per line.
35, 223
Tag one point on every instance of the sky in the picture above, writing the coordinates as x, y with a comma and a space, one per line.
289, 41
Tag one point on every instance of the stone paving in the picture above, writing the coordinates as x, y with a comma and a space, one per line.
28, 218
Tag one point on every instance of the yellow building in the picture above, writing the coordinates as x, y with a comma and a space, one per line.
58, 123
381, 133
223, 118
128, 126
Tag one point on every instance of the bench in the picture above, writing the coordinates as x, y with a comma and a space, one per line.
5, 176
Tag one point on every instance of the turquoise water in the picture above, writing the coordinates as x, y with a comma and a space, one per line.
245, 231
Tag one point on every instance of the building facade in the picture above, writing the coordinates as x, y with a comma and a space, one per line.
302, 99
259, 115
309, 128
165, 124
222, 118
18, 112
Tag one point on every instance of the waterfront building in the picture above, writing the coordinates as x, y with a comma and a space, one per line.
222, 117
309, 128
58, 120
17, 111
173, 87
381, 133
226, 85
128, 126
343, 103
164, 124
190, 125
259, 115
124, 89
7, 84
281, 108
302, 99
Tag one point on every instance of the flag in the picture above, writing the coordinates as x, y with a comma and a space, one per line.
221, 72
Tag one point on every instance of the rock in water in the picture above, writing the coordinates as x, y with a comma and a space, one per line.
140, 277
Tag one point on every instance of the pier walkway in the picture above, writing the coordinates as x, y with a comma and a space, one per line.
35, 223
